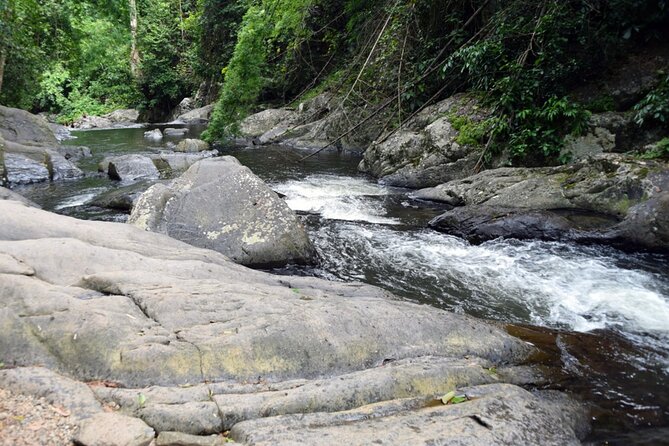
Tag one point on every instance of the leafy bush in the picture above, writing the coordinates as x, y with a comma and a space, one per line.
654, 107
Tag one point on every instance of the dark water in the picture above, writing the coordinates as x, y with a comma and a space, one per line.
599, 316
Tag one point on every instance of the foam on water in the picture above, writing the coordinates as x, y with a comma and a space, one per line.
78, 200
336, 197
549, 284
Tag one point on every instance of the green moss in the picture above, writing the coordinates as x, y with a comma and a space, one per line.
470, 132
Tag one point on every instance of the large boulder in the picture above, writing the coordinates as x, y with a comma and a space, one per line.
610, 198
116, 119
200, 115
169, 162
24, 128
427, 151
192, 145
187, 341
257, 124
25, 164
221, 205
29, 151
129, 167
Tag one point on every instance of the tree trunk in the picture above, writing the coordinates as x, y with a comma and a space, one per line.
134, 52
3, 59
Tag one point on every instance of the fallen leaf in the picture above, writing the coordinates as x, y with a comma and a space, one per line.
61, 411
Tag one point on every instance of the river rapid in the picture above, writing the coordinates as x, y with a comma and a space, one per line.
600, 316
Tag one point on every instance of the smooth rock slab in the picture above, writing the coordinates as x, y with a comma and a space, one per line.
111, 429
495, 415
221, 205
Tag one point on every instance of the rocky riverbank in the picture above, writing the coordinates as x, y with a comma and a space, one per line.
178, 338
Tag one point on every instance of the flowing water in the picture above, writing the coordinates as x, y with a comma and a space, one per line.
604, 313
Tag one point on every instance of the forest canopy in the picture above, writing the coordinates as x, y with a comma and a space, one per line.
521, 57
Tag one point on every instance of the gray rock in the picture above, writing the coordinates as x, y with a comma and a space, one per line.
111, 429
92, 122
74, 153
186, 105
426, 153
496, 415
175, 132
177, 314
255, 125
131, 168
170, 161
221, 205
611, 198
128, 115
154, 135
6, 194
192, 145
198, 116
181, 439
60, 168
189, 341
21, 169
39, 382
61, 132
22, 127
121, 198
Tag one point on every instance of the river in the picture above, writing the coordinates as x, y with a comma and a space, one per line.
601, 316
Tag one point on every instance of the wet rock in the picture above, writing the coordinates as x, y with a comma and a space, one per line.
423, 155
175, 132
154, 135
74, 153
131, 168
60, 168
61, 132
92, 122
611, 198
198, 116
121, 198
192, 145
221, 205
111, 429
21, 169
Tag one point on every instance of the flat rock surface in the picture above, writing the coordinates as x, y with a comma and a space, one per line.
187, 341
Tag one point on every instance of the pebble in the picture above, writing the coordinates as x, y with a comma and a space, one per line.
29, 421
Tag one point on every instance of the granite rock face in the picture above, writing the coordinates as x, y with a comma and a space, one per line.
221, 205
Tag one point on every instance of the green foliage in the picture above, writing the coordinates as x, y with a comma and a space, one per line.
268, 28
654, 107
471, 133
659, 150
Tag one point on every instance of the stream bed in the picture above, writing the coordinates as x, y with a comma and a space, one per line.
600, 316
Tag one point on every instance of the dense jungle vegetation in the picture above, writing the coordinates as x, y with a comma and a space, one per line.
521, 57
